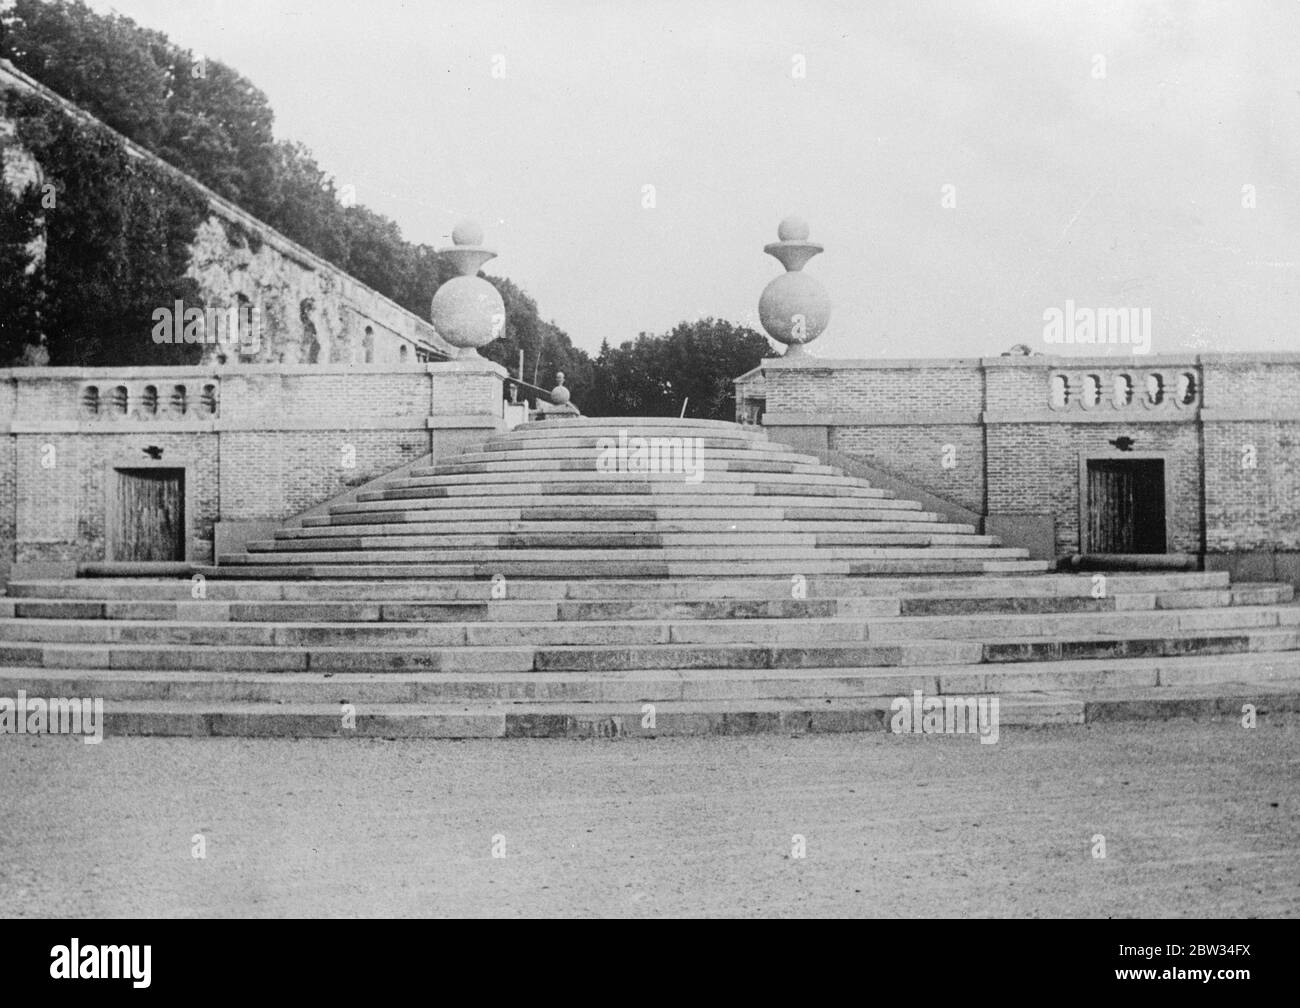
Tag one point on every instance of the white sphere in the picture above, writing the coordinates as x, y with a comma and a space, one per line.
467, 232
468, 312
793, 229
794, 308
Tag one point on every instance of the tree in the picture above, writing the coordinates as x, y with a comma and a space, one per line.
116, 248
21, 285
693, 365
102, 62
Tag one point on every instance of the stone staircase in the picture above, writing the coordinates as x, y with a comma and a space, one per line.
519, 590
533, 503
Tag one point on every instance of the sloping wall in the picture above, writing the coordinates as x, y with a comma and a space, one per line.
307, 310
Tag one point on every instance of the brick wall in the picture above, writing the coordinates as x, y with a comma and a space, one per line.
1226, 425
279, 474
1034, 469
258, 443
1252, 487
920, 452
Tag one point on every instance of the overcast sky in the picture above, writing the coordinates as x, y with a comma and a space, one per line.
1098, 153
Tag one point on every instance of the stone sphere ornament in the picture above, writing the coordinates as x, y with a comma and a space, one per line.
468, 233
794, 308
559, 394
792, 229
467, 311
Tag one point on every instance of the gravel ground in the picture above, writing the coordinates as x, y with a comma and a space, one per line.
1200, 818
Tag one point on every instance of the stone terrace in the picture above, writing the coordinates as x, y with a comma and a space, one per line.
519, 589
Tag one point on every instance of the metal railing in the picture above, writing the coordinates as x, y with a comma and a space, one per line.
526, 391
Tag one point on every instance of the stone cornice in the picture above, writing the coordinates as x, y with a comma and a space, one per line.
204, 371
268, 425
870, 418
1100, 415
1044, 362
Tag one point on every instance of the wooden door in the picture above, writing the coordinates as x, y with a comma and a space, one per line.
149, 515
1126, 506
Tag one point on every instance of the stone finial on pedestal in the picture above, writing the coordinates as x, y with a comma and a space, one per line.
467, 311
559, 406
794, 308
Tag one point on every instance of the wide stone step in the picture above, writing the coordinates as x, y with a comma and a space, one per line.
394, 537
1186, 597
449, 611
1230, 641
268, 659
656, 509
639, 686
953, 566
726, 481
554, 446
576, 546
383, 550
742, 463
583, 658
354, 525
540, 570
1036, 710
448, 623
620, 488
586, 450
1142, 588
656, 424
667, 428
1106, 623
1040, 630
433, 634
404, 603
388, 658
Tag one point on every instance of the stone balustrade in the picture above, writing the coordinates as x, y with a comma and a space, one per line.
147, 401
1122, 390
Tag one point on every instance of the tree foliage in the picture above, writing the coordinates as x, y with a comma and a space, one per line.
22, 292
117, 233
692, 366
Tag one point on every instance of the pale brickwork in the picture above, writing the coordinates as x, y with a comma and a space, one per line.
923, 450
257, 443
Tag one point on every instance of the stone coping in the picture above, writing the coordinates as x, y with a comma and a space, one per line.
868, 418
205, 371
1045, 362
267, 425
1132, 417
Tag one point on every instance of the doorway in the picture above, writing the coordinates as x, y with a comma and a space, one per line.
1125, 506
147, 515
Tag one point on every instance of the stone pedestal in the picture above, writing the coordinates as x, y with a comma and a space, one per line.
559, 407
